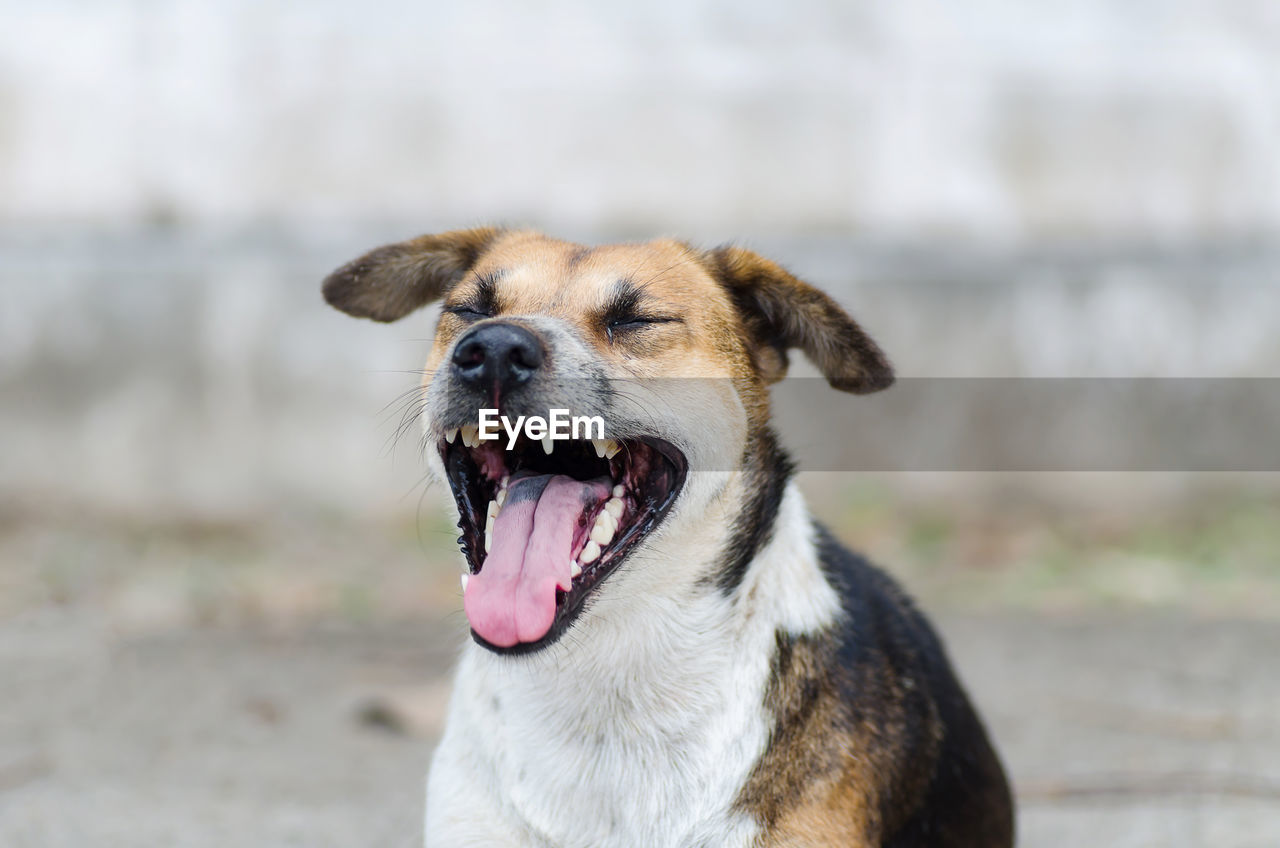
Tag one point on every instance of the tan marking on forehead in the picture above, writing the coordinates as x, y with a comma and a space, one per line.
547, 276
537, 275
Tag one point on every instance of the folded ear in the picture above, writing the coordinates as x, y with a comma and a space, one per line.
781, 312
389, 282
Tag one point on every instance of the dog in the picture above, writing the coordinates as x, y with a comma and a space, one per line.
667, 650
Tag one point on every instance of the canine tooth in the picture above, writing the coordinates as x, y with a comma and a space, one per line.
590, 552
450, 435
471, 436
548, 445
494, 507
613, 506
465, 576
601, 445
619, 491
611, 449
501, 497
574, 568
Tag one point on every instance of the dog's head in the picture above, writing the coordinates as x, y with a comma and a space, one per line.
671, 348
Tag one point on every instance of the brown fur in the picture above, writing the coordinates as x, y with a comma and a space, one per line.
782, 312
389, 282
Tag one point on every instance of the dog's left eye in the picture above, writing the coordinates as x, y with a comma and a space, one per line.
632, 323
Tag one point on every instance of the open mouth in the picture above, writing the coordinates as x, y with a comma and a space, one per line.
545, 522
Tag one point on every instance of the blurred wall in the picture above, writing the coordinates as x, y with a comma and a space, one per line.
992, 118
996, 188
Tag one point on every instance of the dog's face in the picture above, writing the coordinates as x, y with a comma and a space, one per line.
672, 348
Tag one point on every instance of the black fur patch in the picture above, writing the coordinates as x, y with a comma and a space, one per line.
624, 303
486, 294
767, 470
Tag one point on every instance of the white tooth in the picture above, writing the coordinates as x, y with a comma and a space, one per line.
605, 520
471, 436
613, 506
611, 449
601, 445
618, 491
548, 445
602, 534
506, 480
590, 552
450, 435
494, 508
574, 568
500, 498
464, 581
488, 530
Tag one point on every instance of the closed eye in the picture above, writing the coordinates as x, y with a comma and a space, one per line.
467, 313
632, 323
480, 302
632, 310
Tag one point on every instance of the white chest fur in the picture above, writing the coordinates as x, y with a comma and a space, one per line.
640, 727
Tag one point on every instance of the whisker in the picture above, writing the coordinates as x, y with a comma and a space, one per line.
684, 260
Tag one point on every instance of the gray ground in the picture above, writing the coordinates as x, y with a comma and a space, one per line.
1118, 730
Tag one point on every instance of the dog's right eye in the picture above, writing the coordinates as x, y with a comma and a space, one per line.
467, 313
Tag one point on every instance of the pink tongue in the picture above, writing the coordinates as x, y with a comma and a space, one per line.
513, 597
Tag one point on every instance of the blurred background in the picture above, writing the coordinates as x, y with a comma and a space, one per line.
228, 601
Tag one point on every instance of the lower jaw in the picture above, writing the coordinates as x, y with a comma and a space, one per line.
558, 629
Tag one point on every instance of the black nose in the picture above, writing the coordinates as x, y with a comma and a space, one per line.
497, 355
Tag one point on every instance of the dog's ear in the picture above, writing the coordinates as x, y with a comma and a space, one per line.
781, 312
389, 282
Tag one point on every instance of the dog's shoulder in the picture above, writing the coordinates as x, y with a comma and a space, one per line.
874, 741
